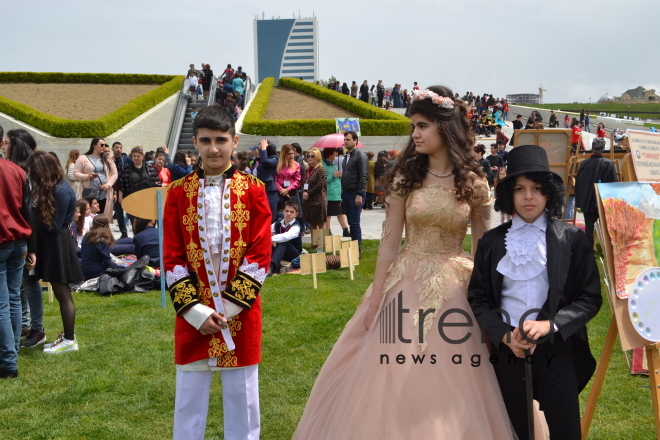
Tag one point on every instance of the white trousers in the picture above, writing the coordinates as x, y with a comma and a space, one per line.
240, 397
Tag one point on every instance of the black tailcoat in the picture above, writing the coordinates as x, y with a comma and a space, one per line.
574, 295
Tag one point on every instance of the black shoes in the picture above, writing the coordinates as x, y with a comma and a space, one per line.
8, 374
347, 233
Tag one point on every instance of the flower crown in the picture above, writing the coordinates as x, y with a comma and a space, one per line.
440, 101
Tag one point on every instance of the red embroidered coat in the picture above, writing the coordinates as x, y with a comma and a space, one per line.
245, 256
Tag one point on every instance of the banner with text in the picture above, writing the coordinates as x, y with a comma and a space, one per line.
645, 150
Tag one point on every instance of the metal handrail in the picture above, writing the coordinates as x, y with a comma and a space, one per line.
212, 90
177, 118
249, 90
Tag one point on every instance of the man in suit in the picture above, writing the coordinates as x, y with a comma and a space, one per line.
534, 286
517, 125
596, 169
266, 171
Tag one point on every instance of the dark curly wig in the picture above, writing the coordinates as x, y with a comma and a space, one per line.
454, 127
552, 187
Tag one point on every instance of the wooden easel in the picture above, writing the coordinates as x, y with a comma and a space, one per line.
332, 243
312, 264
571, 172
349, 255
318, 236
652, 349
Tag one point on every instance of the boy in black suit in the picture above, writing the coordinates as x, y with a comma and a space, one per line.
534, 286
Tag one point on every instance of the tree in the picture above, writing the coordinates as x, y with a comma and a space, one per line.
332, 79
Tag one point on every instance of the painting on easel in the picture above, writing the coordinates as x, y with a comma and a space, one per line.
632, 210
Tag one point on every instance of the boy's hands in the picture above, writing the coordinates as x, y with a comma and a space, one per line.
212, 324
517, 344
536, 329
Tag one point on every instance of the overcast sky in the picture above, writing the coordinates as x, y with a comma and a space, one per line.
576, 48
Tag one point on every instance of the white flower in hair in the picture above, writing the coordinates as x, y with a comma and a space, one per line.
440, 101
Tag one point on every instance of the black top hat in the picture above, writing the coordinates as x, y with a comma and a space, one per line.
528, 159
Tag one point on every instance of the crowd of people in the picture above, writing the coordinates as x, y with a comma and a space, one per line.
230, 91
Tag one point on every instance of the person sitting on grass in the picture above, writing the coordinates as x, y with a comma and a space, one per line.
95, 249
146, 241
287, 241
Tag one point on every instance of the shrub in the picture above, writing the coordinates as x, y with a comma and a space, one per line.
103, 126
82, 78
374, 121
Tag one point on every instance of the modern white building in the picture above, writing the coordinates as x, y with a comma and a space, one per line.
286, 48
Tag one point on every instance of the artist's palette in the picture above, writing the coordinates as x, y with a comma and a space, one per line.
644, 304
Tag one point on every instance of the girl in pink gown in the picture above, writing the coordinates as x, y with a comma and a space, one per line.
392, 374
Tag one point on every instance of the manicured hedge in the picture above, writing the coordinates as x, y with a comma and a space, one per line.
103, 126
83, 78
373, 121
254, 122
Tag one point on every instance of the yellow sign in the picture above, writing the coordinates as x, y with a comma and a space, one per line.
645, 151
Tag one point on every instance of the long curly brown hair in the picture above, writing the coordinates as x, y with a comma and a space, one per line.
44, 173
453, 125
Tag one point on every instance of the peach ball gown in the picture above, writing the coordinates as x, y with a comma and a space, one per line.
358, 397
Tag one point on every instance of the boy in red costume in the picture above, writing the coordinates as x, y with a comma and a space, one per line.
216, 251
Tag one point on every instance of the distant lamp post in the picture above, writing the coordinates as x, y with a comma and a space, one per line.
628, 112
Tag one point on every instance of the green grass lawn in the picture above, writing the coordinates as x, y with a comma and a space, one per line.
120, 385
594, 109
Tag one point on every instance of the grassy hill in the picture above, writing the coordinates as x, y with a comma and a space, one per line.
643, 111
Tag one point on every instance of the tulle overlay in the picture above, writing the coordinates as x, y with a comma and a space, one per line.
372, 389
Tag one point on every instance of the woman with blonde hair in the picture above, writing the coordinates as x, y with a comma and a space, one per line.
287, 179
315, 191
70, 165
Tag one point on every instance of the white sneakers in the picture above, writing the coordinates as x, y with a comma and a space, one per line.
61, 345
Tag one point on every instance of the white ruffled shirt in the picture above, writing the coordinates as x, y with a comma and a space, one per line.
524, 266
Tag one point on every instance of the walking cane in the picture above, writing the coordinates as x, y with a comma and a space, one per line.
530, 396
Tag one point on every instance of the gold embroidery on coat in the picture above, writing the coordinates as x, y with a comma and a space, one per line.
244, 289
240, 217
218, 349
184, 293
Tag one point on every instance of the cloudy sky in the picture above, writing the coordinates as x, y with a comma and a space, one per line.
576, 48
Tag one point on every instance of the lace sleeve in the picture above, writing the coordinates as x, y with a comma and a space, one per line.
481, 212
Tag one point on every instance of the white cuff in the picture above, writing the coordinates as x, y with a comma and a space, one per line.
231, 309
197, 314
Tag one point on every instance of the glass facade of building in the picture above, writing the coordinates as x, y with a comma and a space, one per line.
286, 47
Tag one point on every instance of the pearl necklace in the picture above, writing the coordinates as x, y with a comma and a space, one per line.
440, 175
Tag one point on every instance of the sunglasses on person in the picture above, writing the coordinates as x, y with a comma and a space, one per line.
311, 155
103, 145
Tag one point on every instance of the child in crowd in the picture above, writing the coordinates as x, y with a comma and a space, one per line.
82, 226
72, 226
499, 135
95, 249
192, 83
193, 113
287, 241
146, 241
534, 287
501, 174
